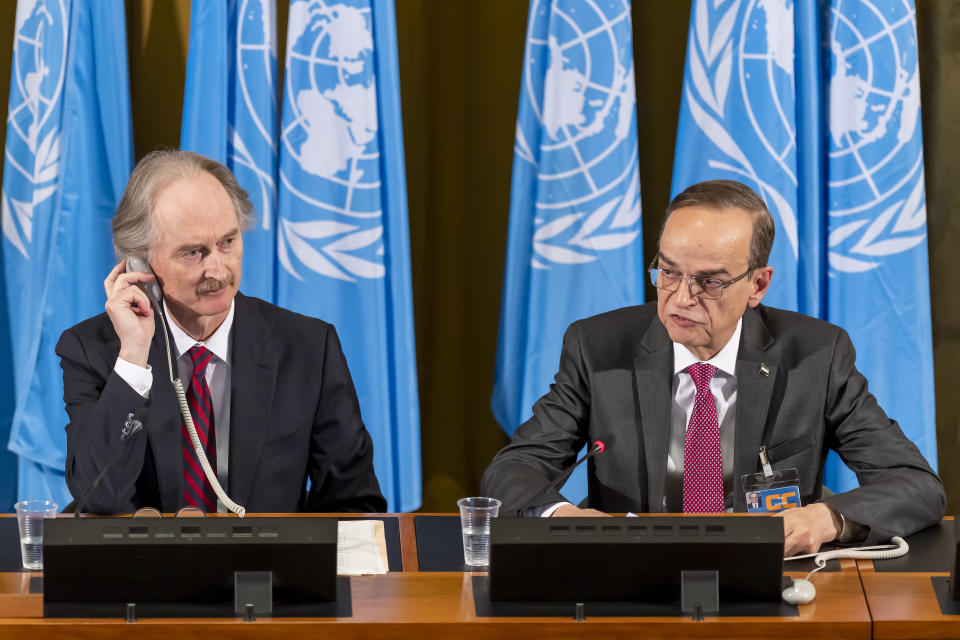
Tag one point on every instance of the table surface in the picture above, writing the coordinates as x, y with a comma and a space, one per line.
900, 592
412, 603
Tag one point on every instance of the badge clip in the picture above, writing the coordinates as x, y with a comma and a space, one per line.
765, 462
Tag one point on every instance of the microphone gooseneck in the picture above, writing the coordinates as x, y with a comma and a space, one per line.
598, 447
133, 425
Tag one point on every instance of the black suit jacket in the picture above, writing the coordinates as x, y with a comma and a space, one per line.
614, 384
293, 414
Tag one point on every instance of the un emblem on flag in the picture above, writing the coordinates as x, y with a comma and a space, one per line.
251, 142
876, 194
876, 200
331, 156
579, 87
33, 140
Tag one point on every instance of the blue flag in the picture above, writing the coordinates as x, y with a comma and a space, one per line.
343, 243
69, 151
230, 114
816, 106
574, 244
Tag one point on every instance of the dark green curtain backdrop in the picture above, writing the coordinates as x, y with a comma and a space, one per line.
460, 64
938, 26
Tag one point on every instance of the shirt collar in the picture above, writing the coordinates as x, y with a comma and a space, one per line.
725, 360
218, 344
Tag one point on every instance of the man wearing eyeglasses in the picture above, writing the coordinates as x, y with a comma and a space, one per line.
695, 392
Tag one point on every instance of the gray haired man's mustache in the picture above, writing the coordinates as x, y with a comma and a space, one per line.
212, 285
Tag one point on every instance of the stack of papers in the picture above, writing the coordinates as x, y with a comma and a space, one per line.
361, 548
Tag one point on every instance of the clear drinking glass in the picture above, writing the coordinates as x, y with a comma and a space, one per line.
475, 515
30, 517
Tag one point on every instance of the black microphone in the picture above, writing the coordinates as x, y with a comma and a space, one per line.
132, 426
598, 447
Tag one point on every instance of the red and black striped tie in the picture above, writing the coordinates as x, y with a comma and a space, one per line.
197, 491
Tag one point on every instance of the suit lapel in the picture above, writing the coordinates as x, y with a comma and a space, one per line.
253, 375
757, 367
165, 428
654, 375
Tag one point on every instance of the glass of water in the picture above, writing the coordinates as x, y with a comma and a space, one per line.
475, 515
30, 516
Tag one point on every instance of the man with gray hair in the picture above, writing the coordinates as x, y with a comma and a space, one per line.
706, 387
269, 392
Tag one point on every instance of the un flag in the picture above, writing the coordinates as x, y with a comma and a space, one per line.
574, 247
343, 249
816, 106
69, 152
230, 114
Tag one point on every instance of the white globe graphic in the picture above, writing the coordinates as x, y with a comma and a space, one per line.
330, 163
873, 96
32, 149
256, 52
584, 73
875, 79
254, 130
331, 91
38, 68
766, 78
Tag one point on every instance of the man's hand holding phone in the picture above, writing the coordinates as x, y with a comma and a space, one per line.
130, 312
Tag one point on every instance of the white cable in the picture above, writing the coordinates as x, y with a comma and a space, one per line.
879, 547
201, 456
879, 552
192, 429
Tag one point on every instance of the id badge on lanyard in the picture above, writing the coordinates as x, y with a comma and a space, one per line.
771, 491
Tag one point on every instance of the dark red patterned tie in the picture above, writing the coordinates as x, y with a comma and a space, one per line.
702, 458
197, 491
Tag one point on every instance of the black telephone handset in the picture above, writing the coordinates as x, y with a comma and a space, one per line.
152, 288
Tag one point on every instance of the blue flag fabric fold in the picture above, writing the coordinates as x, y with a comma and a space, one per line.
876, 241
816, 107
343, 244
230, 115
69, 151
574, 242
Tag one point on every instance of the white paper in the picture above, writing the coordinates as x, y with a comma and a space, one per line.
361, 547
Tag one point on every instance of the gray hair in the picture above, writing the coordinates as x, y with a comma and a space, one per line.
730, 194
134, 231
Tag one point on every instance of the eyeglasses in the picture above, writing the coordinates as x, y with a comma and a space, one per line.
700, 286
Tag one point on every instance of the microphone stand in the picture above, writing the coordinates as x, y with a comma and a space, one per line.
132, 426
598, 447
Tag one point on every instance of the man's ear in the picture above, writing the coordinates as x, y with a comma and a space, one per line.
760, 281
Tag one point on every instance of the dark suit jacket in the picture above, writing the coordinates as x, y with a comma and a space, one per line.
614, 384
293, 414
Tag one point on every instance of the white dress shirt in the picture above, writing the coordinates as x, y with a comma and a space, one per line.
723, 386
217, 375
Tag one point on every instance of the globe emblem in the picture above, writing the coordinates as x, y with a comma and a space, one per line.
875, 191
252, 137
40, 51
33, 142
330, 139
579, 84
766, 78
256, 51
875, 185
875, 104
